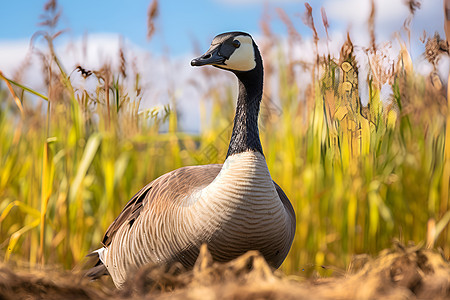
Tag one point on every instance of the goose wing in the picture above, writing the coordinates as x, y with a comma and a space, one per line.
287, 204
169, 187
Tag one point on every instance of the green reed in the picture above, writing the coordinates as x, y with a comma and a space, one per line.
358, 177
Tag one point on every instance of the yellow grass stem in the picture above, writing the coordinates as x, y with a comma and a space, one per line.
22, 87
357, 177
88, 155
16, 99
19, 233
65, 78
445, 199
48, 171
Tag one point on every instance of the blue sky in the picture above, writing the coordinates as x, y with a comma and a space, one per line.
181, 22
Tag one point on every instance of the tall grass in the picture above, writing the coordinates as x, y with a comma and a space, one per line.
358, 177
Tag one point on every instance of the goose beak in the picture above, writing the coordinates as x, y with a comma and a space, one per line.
211, 57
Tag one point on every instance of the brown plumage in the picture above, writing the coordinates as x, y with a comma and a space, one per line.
171, 186
168, 186
233, 208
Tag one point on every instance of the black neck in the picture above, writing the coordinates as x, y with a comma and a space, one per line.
245, 134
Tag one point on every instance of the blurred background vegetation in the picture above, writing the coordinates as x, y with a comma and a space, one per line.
358, 175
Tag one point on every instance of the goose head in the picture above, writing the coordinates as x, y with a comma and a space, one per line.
233, 51
238, 53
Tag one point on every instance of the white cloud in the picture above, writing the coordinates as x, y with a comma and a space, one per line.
390, 17
245, 2
163, 80
11, 54
16, 53
356, 12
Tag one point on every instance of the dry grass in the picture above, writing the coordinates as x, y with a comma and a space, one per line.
397, 273
358, 176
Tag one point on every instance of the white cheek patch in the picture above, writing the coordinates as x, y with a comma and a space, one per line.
243, 58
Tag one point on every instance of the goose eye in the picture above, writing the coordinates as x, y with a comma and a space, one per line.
236, 43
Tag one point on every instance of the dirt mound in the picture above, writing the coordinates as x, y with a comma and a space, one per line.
45, 285
398, 273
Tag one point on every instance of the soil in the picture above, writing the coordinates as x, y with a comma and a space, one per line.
397, 273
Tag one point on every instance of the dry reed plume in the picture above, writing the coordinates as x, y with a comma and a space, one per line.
358, 175
397, 273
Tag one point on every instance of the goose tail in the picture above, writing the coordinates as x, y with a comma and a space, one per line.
99, 269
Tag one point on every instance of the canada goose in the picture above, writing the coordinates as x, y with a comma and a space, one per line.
234, 207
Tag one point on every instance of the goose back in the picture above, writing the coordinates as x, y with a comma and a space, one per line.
234, 208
